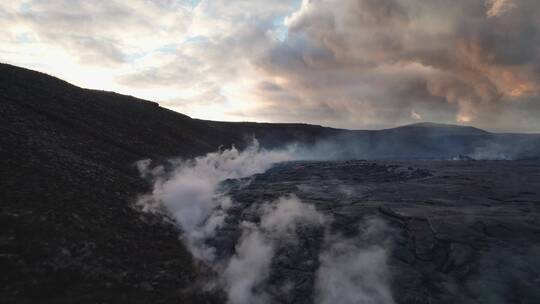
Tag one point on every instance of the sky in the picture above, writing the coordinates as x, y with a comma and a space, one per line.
357, 64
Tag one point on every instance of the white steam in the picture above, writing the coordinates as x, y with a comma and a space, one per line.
282, 216
350, 272
248, 268
190, 194
353, 270
250, 265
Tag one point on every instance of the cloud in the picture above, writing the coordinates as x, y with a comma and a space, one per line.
415, 115
498, 7
351, 63
434, 51
108, 30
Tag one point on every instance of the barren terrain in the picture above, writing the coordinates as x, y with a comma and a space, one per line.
456, 231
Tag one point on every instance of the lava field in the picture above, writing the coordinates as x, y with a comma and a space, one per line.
447, 231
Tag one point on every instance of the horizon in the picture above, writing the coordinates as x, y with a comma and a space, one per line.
359, 65
304, 123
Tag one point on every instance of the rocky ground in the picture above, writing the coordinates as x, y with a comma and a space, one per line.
456, 231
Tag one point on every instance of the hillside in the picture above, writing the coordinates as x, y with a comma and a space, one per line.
69, 231
68, 184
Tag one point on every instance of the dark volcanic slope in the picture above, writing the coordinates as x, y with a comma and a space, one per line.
68, 232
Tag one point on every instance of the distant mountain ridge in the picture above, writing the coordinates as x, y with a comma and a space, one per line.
441, 129
143, 129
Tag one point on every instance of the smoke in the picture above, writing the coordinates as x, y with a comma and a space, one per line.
248, 268
192, 194
354, 270
493, 151
250, 265
282, 216
351, 275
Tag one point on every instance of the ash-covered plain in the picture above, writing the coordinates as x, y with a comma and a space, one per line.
388, 232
